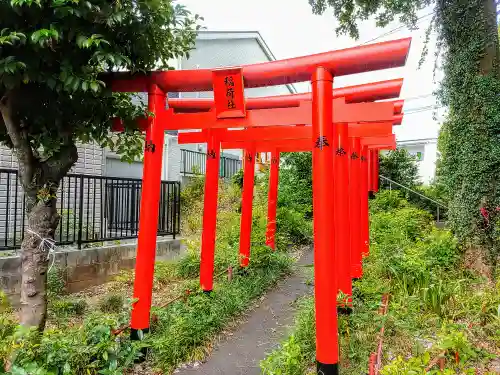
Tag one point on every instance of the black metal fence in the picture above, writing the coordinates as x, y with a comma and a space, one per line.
93, 209
194, 163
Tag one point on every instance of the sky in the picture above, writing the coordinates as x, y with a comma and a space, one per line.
290, 29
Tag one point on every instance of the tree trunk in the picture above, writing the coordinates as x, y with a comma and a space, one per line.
42, 220
490, 60
40, 178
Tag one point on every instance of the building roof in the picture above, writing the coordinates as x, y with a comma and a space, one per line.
409, 142
209, 35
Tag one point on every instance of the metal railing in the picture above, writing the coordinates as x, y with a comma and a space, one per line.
440, 207
194, 163
92, 209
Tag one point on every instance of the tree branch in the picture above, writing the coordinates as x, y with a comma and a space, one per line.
19, 139
58, 165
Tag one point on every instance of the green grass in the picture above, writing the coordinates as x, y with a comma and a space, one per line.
184, 331
435, 303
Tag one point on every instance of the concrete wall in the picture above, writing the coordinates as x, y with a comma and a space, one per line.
84, 268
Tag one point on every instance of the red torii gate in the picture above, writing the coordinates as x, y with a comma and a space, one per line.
230, 112
368, 135
371, 111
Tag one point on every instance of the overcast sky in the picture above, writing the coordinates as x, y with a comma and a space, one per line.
290, 29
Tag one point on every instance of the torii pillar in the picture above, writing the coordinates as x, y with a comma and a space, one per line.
325, 285
272, 199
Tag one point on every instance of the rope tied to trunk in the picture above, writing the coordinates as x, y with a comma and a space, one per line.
46, 244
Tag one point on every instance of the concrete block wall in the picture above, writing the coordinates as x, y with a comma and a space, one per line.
85, 268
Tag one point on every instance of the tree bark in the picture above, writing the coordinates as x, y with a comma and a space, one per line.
40, 180
490, 61
42, 220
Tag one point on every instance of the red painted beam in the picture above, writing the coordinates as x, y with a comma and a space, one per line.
369, 92
390, 54
342, 112
301, 145
283, 133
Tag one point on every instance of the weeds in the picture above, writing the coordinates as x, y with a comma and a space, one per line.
112, 304
65, 307
435, 306
181, 331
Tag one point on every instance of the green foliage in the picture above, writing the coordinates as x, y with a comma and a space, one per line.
64, 307
55, 282
52, 55
451, 339
182, 330
295, 183
89, 349
237, 179
183, 327
165, 272
295, 353
469, 138
399, 166
193, 191
4, 302
112, 303
349, 14
419, 267
387, 200
435, 192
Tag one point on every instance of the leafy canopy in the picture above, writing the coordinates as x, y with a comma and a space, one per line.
399, 166
52, 53
350, 12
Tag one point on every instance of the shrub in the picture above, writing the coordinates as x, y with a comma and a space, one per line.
434, 192
192, 192
90, 348
4, 302
65, 307
237, 179
113, 303
441, 249
293, 226
387, 200
399, 166
165, 272
184, 326
55, 282
394, 226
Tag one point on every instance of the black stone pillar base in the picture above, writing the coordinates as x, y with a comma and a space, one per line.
137, 335
327, 369
344, 310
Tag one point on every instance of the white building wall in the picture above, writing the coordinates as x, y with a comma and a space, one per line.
427, 162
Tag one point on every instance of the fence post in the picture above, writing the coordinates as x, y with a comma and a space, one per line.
438, 214
183, 156
80, 215
174, 213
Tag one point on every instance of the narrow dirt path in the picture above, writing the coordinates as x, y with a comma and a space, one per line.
264, 328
